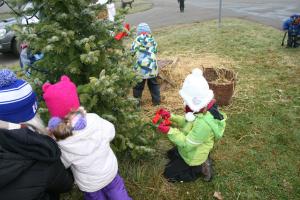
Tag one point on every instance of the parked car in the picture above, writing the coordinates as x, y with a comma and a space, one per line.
8, 42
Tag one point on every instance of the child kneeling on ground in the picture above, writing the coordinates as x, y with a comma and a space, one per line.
193, 134
84, 142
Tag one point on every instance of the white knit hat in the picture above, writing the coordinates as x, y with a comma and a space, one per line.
195, 91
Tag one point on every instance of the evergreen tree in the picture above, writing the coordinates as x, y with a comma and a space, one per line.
77, 43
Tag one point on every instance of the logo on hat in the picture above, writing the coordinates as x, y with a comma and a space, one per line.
196, 100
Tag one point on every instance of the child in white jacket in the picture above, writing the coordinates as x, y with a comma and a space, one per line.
84, 140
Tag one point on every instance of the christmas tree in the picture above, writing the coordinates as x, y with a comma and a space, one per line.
77, 42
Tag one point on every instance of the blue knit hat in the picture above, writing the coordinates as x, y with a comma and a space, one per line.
17, 100
143, 27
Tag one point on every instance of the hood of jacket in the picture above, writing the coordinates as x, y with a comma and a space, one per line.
217, 126
20, 149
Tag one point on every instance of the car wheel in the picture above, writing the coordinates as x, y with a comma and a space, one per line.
16, 49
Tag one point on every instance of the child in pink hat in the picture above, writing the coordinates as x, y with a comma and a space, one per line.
84, 142
61, 97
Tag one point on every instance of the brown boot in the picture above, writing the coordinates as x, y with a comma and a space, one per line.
207, 170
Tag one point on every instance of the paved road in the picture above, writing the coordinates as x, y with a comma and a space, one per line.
166, 12
7, 59
4, 9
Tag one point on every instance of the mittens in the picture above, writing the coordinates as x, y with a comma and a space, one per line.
156, 118
163, 128
161, 113
166, 122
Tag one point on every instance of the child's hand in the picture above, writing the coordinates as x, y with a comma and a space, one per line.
163, 128
156, 118
162, 113
167, 122
165, 114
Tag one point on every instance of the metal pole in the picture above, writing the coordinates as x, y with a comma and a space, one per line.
220, 13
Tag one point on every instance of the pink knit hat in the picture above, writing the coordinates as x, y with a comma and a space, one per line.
61, 97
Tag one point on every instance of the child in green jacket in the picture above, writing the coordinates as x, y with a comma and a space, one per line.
193, 134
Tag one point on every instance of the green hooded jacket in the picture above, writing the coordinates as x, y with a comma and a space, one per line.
195, 139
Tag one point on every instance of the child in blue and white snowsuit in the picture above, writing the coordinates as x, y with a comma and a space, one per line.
144, 48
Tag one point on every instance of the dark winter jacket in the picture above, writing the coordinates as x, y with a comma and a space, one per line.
292, 24
30, 166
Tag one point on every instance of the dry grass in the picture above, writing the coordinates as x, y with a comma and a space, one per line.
176, 73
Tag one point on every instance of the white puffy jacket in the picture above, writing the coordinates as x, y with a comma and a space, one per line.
88, 153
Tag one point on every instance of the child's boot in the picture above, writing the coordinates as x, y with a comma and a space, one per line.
207, 170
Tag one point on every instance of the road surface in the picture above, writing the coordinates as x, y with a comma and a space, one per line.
7, 59
4, 9
166, 12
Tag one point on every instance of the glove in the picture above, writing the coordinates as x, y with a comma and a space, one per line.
164, 113
163, 128
156, 118
166, 122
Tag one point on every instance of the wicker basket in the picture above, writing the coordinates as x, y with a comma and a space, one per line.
222, 81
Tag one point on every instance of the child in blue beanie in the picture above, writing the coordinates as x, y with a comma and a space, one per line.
144, 48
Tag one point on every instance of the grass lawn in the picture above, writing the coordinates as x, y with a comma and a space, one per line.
258, 157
